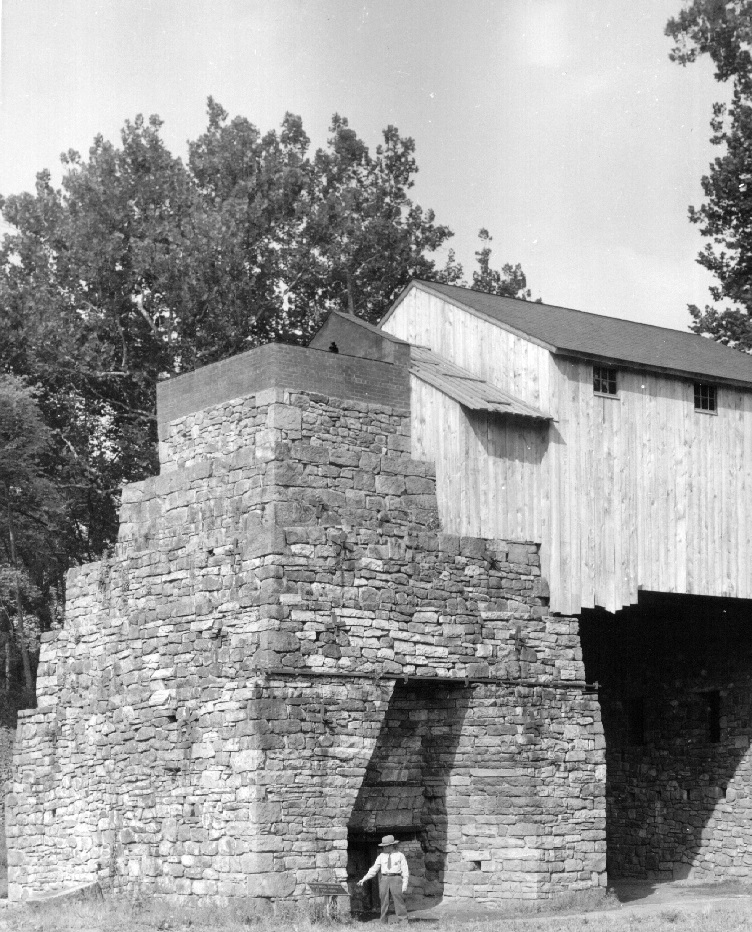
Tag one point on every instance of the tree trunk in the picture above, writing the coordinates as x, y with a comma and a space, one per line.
21, 640
350, 297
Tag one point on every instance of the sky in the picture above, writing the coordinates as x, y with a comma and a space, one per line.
561, 126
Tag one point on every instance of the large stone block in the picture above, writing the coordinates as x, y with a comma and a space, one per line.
286, 418
277, 885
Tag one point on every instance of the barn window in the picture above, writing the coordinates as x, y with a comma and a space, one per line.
705, 397
604, 380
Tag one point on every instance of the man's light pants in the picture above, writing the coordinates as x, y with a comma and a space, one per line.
392, 885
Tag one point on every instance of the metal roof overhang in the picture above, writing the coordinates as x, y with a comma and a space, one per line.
467, 389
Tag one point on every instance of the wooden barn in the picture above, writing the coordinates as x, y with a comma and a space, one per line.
625, 451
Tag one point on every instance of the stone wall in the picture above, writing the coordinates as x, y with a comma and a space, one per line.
274, 415
209, 715
497, 783
679, 770
7, 740
313, 371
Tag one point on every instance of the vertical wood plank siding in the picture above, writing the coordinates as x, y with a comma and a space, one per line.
661, 488
508, 361
636, 491
489, 479
488, 467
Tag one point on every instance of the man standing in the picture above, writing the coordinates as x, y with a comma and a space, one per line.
391, 866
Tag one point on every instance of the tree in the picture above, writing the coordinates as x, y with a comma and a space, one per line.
362, 237
32, 518
510, 282
142, 265
723, 30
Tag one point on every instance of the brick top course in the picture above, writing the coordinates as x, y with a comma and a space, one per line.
279, 365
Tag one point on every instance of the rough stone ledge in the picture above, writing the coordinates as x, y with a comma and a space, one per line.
73, 893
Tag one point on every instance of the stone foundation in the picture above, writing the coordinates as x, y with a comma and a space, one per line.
285, 656
491, 783
677, 712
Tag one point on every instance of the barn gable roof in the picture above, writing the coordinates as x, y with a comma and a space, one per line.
568, 332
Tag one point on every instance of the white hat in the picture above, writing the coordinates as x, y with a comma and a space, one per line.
388, 840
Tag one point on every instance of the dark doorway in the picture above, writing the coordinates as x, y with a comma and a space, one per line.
675, 675
404, 790
362, 851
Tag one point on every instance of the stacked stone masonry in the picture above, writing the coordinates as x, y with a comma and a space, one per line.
226, 713
677, 715
274, 415
7, 738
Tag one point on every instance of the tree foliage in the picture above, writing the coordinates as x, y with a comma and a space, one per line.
34, 525
723, 31
142, 265
510, 281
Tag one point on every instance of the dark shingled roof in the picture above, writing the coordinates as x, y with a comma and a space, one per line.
577, 333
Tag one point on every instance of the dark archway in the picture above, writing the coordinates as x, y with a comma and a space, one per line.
404, 789
675, 675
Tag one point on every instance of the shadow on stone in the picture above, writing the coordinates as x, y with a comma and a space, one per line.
404, 791
674, 674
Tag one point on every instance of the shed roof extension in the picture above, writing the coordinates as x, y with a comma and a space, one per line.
568, 332
469, 390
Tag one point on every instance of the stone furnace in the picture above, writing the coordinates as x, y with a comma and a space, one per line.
286, 657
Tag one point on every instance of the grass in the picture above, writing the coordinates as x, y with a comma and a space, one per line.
127, 916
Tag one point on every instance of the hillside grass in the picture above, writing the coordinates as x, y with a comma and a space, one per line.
722, 915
